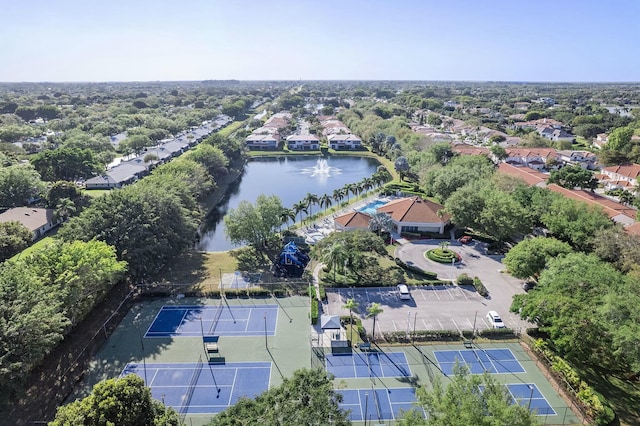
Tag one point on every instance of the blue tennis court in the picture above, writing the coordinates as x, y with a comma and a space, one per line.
368, 364
192, 388
528, 395
221, 320
497, 361
377, 404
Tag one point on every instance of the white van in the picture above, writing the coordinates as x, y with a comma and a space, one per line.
494, 320
403, 290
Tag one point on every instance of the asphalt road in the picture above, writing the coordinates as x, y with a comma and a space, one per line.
437, 307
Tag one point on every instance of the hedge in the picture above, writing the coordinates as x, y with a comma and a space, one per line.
416, 270
442, 255
314, 311
480, 288
596, 405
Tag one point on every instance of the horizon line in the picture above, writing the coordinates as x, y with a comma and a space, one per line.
323, 80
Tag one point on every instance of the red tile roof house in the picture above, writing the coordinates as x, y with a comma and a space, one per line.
622, 176
351, 221
414, 214
38, 221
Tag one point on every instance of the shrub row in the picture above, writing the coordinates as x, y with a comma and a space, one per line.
497, 333
314, 311
480, 288
422, 336
465, 279
416, 270
597, 407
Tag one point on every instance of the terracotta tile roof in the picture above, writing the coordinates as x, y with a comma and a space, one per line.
528, 175
353, 220
633, 229
527, 152
609, 207
629, 170
414, 210
470, 150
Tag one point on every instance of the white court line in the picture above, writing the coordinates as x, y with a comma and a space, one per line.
367, 294
360, 404
233, 384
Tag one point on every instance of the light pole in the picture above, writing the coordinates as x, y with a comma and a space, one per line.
144, 362
530, 397
366, 407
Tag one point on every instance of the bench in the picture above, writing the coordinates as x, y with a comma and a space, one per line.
210, 343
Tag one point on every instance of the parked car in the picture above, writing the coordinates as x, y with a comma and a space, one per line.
465, 239
494, 320
403, 291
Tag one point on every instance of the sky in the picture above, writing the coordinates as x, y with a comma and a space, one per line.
166, 40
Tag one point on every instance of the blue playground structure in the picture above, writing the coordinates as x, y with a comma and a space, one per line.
292, 261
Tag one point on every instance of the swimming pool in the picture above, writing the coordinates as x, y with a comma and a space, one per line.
371, 208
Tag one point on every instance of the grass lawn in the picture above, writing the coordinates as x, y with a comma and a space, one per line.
623, 395
93, 193
37, 245
227, 131
199, 270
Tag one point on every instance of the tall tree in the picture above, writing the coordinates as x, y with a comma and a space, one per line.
373, 310
470, 399
574, 177
254, 224
19, 184
308, 398
66, 164
125, 401
14, 237
530, 256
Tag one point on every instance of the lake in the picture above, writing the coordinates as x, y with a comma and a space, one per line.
290, 178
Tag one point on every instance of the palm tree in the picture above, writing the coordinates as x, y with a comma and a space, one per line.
367, 184
299, 208
310, 199
338, 195
351, 305
348, 188
287, 214
64, 209
325, 201
335, 255
381, 222
373, 310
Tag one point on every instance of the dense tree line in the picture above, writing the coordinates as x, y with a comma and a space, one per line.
44, 295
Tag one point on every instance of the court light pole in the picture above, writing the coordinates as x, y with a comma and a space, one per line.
366, 407
144, 362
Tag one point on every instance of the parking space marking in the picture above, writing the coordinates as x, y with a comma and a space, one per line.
394, 325
422, 293
441, 327
434, 291
456, 324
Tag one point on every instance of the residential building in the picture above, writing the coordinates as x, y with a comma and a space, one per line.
38, 221
344, 142
261, 141
414, 214
625, 176
303, 142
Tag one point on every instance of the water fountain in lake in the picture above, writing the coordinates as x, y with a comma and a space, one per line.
322, 168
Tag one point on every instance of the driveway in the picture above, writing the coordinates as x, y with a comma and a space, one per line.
437, 307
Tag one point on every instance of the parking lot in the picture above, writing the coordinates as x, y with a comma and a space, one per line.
430, 308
